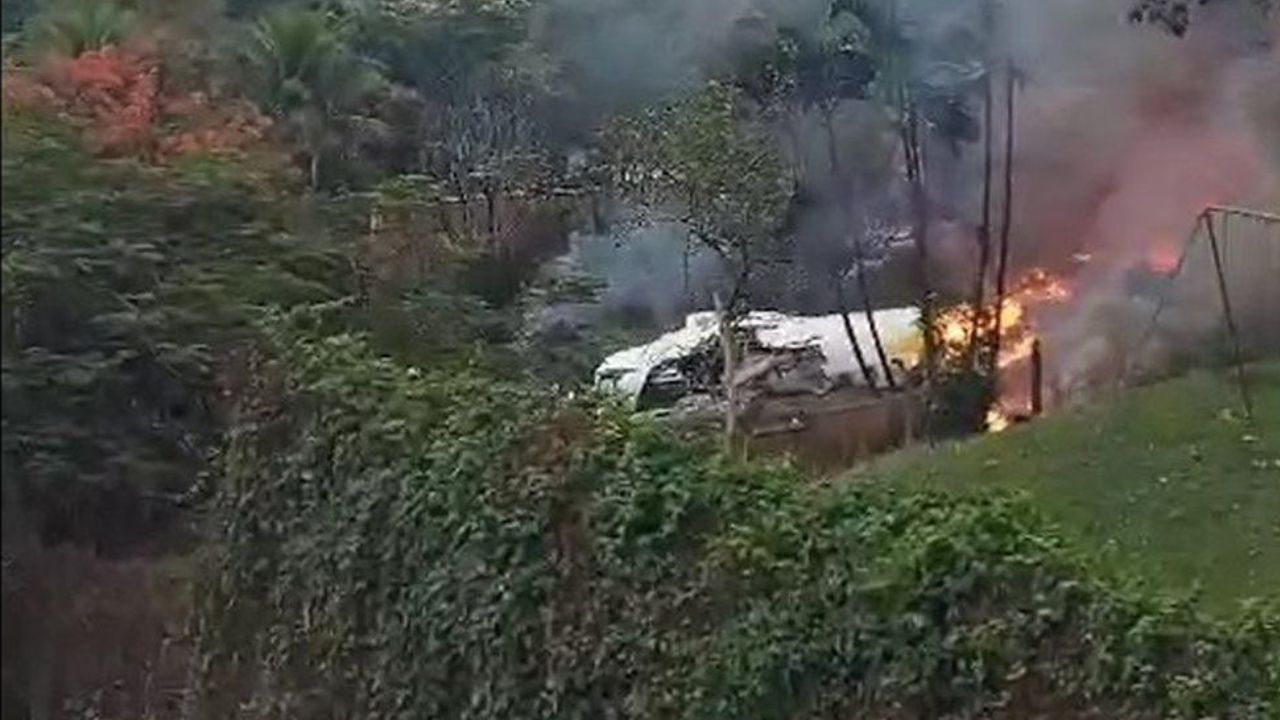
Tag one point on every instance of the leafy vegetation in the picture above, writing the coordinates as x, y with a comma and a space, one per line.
122, 108
286, 264
697, 161
83, 26
122, 284
406, 542
302, 71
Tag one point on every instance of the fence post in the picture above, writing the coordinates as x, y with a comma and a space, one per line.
1037, 379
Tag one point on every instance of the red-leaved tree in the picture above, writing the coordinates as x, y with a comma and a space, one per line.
117, 97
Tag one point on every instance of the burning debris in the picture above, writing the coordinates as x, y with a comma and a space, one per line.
682, 372
959, 326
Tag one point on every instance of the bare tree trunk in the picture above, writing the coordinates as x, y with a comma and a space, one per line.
797, 147
843, 306
865, 292
491, 207
984, 228
837, 173
684, 269
833, 154
910, 134
1006, 219
464, 201
729, 355
738, 296
314, 170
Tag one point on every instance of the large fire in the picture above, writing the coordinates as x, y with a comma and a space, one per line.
960, 328
960, 325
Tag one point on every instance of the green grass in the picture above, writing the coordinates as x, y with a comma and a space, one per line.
1165, 483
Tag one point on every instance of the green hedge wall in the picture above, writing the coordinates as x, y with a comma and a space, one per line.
403, 543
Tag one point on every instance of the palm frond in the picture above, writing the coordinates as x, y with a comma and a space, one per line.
83, 26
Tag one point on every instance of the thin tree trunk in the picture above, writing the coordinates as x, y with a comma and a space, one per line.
738, 297
314, 170
833, 154
984, 228
491, 207
797, 147
684, 270
728, 352
460, 187
864, 287
1006, 219
865, 292
843, 307
837, 174
909, 132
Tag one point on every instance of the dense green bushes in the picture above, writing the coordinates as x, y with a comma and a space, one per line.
406, 543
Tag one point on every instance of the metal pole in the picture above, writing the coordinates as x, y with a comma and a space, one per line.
1230, 317
1244, 212
1037, 379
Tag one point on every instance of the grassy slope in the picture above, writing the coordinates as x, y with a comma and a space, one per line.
1165, 482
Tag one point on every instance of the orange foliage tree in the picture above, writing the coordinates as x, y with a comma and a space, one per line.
116, 96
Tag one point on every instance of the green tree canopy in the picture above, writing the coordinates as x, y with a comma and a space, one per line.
300, 67
699, 161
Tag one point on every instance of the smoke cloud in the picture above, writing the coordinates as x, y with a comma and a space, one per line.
1127, 134
1124, 135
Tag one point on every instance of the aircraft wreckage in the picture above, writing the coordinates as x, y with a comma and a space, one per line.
797, 381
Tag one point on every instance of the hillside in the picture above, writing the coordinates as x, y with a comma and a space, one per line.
1167, 482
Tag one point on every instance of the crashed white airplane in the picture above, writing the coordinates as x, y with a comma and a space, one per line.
675, 360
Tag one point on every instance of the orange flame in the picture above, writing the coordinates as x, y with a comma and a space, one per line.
958, 324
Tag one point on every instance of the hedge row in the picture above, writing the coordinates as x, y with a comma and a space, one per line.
400, 543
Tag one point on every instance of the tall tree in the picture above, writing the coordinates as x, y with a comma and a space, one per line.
470, 63
816, 72
983, 234
928, 75
301, 69
698, 162
844, 69
77, 27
